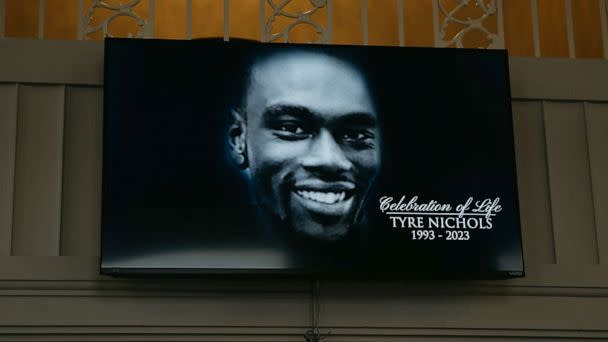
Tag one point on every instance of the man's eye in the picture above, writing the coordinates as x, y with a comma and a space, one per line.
351, 136
291, 130
357, 136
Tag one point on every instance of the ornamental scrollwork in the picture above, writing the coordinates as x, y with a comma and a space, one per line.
118, 11
467, 23
298, 18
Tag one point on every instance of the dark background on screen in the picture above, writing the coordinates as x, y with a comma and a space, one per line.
446, 130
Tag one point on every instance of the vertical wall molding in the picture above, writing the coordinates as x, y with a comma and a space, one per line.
436, 28
227, 20
80, 20
548, 181
261, 19
8, 137
149, 31
81, 180
533, 182
501, 24
604, 25
570, 28
2, 17
329, 29
364, 28
596, 115
401, 23
38, 170
188, 19
535, 27
41, 18
570, 184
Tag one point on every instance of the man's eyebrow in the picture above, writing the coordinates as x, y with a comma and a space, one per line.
357, 118
276, 111
302, 112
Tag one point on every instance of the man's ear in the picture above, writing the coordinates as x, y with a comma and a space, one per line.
237, 134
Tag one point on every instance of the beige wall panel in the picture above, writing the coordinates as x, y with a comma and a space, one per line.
47, 61
344, 308
51, 61
559, 79
533, 183
37, 203
366, 310
8, 133
267, 334
597, 135
570, 183
198, 309
81, 196
82, 273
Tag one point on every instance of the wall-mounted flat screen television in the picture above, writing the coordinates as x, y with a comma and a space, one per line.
308, 160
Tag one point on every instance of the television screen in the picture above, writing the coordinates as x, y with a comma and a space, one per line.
336, 161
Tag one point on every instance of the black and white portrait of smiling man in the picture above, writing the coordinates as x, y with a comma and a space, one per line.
306, 134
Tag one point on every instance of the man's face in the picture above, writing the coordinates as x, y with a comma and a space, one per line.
312, 141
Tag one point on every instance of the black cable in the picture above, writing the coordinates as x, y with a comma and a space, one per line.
313, 334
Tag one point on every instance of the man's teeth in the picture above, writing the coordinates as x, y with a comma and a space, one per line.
323, 197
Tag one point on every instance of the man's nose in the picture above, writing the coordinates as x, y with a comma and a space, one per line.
325, 155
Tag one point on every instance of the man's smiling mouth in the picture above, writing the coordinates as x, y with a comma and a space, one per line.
329, 199
326, 197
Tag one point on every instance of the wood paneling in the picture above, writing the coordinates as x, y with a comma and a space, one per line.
38, 166
207, 18
570, 183
347, 22
597, 135
553, 28
587, 28
170, 19
8, 133
519, 38
81, 195
383, 22
244, 19
418, 23
21, 18
207, 21
61, 19
533, 183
